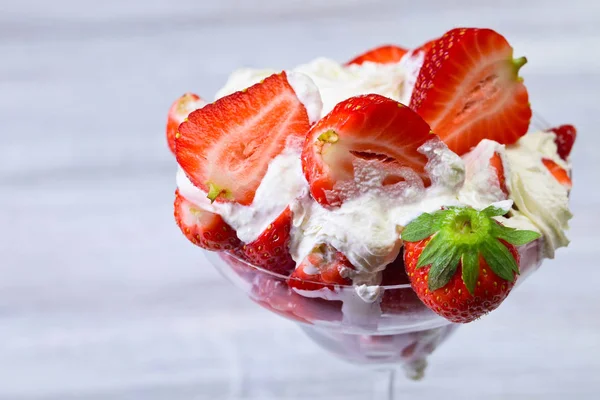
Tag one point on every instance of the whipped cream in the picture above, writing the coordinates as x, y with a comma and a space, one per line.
337, 82
481, 184
539, 198
308, 94
367, 226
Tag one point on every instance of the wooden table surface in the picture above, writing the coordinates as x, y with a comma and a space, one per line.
102, 298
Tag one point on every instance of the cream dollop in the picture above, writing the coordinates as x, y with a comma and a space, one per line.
337, 82
538, 196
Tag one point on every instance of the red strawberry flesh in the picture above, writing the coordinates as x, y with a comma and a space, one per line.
386, 54
559, 173
225, 147
565, 138
468, 89
323, 267
178, 112
496, 164
203, 228
371, 128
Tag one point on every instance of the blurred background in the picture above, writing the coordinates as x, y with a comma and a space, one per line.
101, 297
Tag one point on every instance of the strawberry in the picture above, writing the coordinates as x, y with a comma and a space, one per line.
178, 112
323, 267
559, 173
271, 249
461, 262
400, 300
425, 47
468, 89
226, 146
565, 138
368, 128
387, 54
203, 228
496, 163
275, 295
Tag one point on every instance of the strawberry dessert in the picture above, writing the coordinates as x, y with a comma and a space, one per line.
400, 167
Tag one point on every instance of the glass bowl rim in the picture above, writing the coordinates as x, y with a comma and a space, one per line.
287, 278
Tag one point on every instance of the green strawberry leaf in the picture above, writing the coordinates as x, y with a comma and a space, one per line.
465, 234
470, 269
418, 229
492, 211
500, 260
514, 236
436, 248
443, 269
423, 226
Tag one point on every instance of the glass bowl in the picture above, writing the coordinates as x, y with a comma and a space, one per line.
393, 328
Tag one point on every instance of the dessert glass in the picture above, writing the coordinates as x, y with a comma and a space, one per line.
394, 331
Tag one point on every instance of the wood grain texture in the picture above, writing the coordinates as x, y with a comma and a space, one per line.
102, 298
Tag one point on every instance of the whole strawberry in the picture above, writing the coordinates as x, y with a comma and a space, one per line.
461, 262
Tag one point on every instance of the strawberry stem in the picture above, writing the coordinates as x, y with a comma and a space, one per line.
518, 64
329, 136
214, 191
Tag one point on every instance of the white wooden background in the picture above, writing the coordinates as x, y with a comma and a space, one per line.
102, 298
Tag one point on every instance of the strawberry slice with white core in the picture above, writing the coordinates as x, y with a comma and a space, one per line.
369, 128
386, 54
180, 109
203, 228
468, 89
226, 146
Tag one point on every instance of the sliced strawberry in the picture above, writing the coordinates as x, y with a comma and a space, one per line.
565, 138
275, 295
558, 172
271, 249
387, 54
425, 47
323, 267
225, 147
468, 89
178, 112
496, 163
203, 228
369, 128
